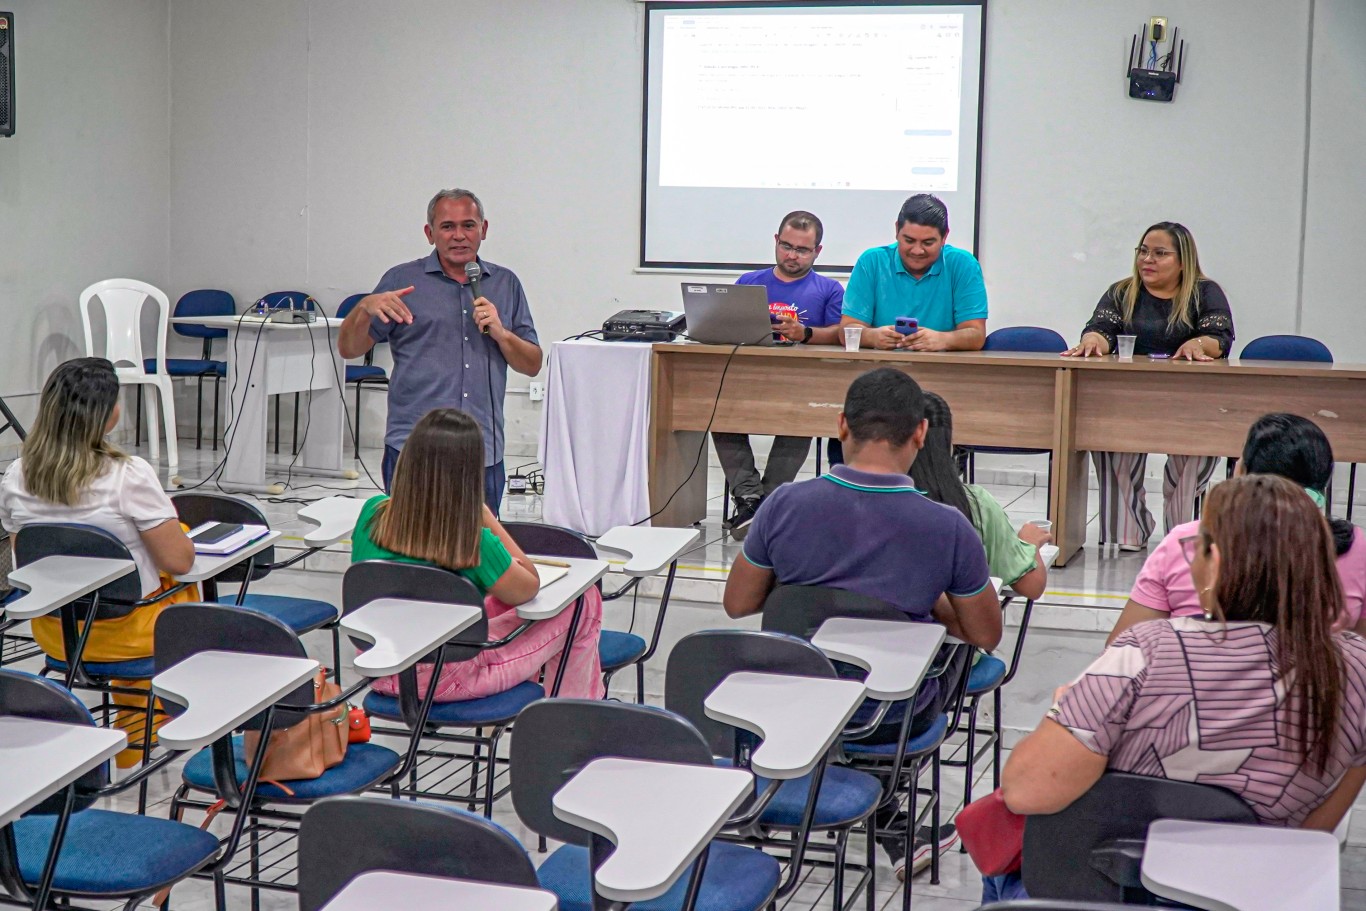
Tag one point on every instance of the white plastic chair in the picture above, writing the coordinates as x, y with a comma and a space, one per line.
122, 300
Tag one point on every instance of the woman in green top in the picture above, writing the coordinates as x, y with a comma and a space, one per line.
1012, 556
436, 515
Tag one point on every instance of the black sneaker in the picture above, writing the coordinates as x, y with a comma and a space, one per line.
740, 519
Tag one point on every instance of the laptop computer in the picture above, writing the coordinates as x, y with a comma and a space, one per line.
727, 314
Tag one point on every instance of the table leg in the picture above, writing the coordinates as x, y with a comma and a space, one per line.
678, 459
249, 350
1067, 493
322, 449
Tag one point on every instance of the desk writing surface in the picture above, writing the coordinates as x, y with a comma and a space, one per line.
555, 597
660, 815
377, 889
221, 690
1221, 866
39, 758
55, 581
206, 566
796, 718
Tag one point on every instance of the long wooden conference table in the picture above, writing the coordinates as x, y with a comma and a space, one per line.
1068, 406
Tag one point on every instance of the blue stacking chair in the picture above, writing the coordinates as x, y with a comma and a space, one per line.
302, 615
1019, 339
1092, 850
1296, 348
465, 722
205, 302
115, 600
343, 837
845, 797
617, 650
363, 374
298, 300
557, 737
986, 678
219, 777
105, 855
799, 610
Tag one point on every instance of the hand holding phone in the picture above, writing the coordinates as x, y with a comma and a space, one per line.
907, 325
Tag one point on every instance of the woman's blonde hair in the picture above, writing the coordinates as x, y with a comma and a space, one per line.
435, 510
1186, 302
66, 449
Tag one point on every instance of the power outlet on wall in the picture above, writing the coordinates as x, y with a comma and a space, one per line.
537, 391
1157, 29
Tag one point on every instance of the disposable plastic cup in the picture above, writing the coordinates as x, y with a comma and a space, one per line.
1126, 347
852, 336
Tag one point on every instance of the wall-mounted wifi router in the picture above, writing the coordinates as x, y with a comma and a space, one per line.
1155, 78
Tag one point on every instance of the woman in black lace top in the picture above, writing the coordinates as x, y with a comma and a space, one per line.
1172, 309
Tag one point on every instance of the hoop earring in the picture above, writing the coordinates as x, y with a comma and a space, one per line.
1209, 615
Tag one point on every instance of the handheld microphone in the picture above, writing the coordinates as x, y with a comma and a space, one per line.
472, 274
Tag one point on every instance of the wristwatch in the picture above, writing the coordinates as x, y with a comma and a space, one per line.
807, 337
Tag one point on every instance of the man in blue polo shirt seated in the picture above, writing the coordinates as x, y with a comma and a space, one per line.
919, 276
864, 528
810, 306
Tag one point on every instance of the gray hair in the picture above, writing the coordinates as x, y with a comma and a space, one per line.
455, 194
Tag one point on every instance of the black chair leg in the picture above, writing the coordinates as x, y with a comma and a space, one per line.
996, 744
277, 425
215, 413
199, 413
357, 439
137, 422
640, 682
1351, 488
295, 441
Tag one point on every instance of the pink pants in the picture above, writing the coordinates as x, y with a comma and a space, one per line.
497, 670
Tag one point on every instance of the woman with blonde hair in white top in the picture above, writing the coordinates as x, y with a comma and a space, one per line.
70, 473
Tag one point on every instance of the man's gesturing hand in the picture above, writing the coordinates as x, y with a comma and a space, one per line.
387, 306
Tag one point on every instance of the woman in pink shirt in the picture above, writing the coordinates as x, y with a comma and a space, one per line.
1280, 444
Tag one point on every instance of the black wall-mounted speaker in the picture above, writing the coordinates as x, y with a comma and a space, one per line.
6, 74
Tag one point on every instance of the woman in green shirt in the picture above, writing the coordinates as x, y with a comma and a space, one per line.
436, 515
1012, 556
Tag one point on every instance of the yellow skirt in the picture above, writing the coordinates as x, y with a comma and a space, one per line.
120, 639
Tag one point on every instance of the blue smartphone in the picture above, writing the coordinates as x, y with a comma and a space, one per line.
907, 325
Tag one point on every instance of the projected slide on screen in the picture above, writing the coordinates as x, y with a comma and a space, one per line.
756, 110
891, 81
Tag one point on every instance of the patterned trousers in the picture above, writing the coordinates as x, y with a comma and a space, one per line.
1124, 515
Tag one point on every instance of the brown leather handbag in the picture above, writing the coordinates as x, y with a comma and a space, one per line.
309, 748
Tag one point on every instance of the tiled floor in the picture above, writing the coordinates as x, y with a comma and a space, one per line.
1072, 619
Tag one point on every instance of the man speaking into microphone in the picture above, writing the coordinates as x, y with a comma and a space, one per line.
454, 323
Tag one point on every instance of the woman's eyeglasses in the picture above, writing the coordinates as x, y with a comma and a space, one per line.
1158, 254
1188, 547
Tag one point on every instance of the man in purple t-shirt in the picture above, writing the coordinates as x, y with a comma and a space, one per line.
864, 528
813, 304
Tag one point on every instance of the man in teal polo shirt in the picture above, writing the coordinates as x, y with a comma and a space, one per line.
920, 276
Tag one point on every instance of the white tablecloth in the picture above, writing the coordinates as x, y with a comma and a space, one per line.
595, 435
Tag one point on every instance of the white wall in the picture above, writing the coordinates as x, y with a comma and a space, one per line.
83, 182
1335, 231
1074, 170
304, 137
